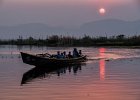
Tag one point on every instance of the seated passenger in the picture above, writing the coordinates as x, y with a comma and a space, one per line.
58, 54
69, 55
64, 54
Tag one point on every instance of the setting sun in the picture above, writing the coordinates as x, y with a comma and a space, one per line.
102, 11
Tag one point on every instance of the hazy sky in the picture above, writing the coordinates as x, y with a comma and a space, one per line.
65, 12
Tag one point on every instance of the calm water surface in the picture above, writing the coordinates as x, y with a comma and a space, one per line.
110, 74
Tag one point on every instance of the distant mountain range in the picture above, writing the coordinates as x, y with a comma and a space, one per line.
96, 28
112, 27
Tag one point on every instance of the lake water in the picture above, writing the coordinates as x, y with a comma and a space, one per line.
109, 74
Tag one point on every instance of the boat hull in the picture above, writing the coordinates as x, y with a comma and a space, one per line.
43, 61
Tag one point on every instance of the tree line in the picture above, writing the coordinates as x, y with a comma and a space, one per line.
55, 40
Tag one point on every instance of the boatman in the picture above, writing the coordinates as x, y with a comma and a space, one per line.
75, 53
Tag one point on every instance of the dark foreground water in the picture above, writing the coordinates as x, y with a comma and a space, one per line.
110, 74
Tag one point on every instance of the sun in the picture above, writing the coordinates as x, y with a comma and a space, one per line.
102, 11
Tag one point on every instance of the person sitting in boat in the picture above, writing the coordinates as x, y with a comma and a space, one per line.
69, 55
58, 54
64, 54
75, 53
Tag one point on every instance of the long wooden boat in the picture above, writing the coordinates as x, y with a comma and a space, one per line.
43, 60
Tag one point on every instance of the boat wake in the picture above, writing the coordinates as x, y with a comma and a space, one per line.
113, 54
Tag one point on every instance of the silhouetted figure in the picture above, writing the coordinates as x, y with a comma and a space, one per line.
69, 55
64, 54
80, 52
75, 53
58, 54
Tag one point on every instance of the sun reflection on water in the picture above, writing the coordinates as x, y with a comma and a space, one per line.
102, 63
